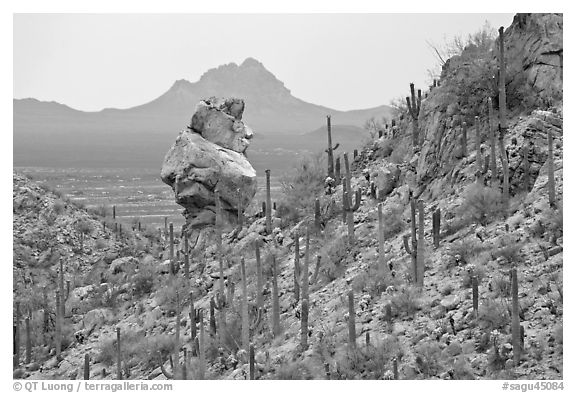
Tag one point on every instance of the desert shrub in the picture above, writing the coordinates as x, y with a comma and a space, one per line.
83, 226
303, 185
400, 152
375, 280
135, 345
553, 220
100, 244
143, 280
170, 289
478, 270
393, 222
494, 315
334, 253
508, 249
100, 210
454, 225
59, 207
372, 362
466, 250
233, 335
461, 369
428, 356
293, 370
406, 302
482, 204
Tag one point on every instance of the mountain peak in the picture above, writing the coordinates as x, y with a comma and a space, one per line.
251, 62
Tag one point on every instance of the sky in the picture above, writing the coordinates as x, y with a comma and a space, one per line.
343, 61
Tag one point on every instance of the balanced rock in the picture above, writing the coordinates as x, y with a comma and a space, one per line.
209, 156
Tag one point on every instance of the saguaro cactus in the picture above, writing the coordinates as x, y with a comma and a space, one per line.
259, 279
193, 317
515, 318
275, 300
317, 268
337, 174
414, 110
212, 318
58, 337
475, 294
330, 149
304, 325
16, 332
86, 367
551, 180
420, 249
177, 336
114, 212
186, 257
412, 251
305, 271
118, 355
172, 267
317, 216
201, 346
351, 321
501, 81
348, 207
252, 368
493, 169
240, 209
28, 340
297, 273
220, 265
245, 322
478, 143
268, 204
526, 163
505, 173
436, 228
464, 139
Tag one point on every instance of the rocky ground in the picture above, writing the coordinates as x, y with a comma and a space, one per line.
430, 332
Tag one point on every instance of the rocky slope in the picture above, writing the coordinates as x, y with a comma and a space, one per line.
430, 332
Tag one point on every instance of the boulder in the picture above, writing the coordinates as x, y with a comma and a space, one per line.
209, 156
220, 121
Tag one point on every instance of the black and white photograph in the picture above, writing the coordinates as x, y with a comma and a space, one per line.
368, 196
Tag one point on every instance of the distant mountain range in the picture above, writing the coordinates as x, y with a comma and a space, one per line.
53, 134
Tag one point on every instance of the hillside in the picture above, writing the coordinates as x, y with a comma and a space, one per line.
388, 296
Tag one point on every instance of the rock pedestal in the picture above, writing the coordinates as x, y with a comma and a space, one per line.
209, 156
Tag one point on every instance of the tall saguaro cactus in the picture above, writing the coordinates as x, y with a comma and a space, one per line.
186, 258
259, 279
268, 204
351, 321
16, 351
28, 339
464, 139
330, 149
478, 143
436, 227
304, 325
245, 322
297, 272
172, 264
86, 367
177, 336
305, 269
551, 180
347, 206
412, 251
501, 81
493, 176
420, 250
414, 110
201, 346
515, 318
58, 326
118, 355
220, 264
275, 300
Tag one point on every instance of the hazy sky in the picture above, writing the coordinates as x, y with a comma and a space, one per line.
343, 61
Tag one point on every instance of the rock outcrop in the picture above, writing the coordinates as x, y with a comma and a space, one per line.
210, 156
